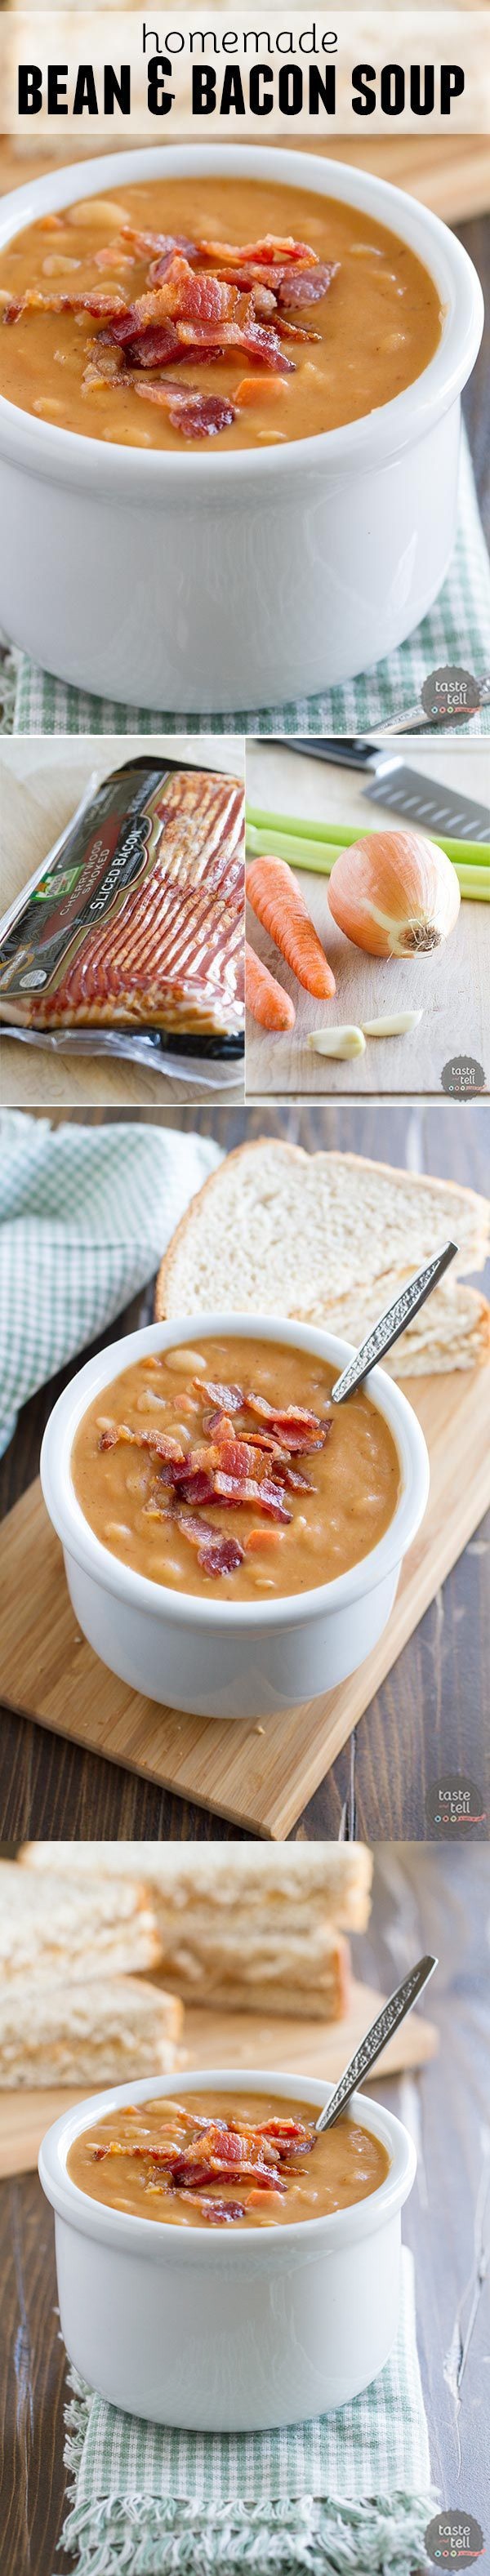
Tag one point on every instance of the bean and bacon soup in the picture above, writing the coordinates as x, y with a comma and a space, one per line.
229, 1469
195, 309
226, 2160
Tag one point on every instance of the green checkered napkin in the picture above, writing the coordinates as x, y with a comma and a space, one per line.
457, 631
348, 2494
85, 1215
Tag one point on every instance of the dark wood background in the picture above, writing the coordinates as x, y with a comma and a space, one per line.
424, 1899
433, 1708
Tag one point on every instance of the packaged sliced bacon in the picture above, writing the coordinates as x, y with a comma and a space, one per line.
133, 927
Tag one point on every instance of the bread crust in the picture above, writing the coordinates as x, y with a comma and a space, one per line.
423, 1183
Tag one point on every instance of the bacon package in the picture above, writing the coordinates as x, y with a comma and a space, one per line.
135, 924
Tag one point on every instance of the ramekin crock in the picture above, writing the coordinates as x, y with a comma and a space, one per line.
210, 582
217, 2331
217, 1658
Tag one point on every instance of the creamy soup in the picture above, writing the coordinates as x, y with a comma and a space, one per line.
240, 2159
206, 309
228, 1469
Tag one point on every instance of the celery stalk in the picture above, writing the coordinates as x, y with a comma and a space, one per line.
340, 835
474, 876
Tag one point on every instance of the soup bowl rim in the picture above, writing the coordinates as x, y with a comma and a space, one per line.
166, 1601
128, 2231
383, 432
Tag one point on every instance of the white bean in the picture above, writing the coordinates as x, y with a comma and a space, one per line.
183, 1360
151, 1403
97, 210
57, 265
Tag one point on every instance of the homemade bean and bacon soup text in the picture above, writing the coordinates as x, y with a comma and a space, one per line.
196, 309
223, 2160
228, 1468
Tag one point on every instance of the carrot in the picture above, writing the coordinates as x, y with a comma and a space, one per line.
250, 390
262, 1538
279, 905
266, 1000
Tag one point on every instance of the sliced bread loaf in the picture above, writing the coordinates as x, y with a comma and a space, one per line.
326, 1238
63, 1926
248, 1927
99, 2030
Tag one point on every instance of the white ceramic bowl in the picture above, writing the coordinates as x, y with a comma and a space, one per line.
220, 1658
218, 2331
211, 582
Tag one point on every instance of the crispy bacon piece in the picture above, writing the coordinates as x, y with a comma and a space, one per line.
196, 1489
218, 2146
214, 339
286, 285
205, 312
282, 2131
220, 2213
216, 2153
295, 1482
195, 415
181, 296
254, 277
271, 248
233, 1457
222, 1558
202, 299
264, 1445
266, 1496
157, 347
113, 257
216, 1553
99, 301
161, 1443
158, 245
230, 1399
103, 364
293, 331
308, 286
295, 1427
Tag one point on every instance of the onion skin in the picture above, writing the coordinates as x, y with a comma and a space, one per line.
394, 894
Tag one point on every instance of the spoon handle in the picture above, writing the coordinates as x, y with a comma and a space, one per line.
393, 1323
375, 2039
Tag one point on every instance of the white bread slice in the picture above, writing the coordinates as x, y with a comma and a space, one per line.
326, 1238
245, 1926
103, 2030
60, 1926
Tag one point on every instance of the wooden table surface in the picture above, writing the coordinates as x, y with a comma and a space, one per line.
423, 1900
451, 987
433, 1708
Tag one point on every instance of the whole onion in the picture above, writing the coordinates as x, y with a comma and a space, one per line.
394, 894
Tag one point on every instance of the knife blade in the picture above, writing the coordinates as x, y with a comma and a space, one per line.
393, 782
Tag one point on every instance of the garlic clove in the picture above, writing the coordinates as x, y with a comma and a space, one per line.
396, 1027
337, 1042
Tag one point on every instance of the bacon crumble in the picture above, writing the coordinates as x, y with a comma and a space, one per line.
254, 2159
204, 301
232, 1465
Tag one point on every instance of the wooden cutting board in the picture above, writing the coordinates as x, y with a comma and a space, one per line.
450, 173
259, 1775
233, 2039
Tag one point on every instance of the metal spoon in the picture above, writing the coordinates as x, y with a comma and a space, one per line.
392, 1323
392, 2014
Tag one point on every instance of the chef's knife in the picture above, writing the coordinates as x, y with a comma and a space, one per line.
393, 782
